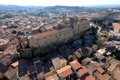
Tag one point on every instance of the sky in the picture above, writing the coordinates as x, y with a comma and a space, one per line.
59, 2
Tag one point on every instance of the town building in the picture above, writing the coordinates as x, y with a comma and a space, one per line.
3, 44
81, 71
101, 74
116, 27
65, 72
58, 61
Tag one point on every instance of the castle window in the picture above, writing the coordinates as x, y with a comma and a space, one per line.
37, 39
45, 37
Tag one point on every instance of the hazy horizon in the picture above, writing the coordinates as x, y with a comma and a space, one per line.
60, 2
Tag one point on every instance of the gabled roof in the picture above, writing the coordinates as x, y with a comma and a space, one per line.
75, 64
82, 71
100, 70
102, 76
77, 54
15, 64
87, 77
65, 71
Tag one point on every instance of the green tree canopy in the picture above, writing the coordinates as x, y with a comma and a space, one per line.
8, 16
105, 32
98, 42
14, 32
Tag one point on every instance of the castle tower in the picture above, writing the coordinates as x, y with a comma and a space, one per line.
64, 18
74, 22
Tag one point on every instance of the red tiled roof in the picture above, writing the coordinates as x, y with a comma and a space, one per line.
15, 41
116, 25
22, 61
77, 54
18, 62
99, 16
102, 77
74, 57
81, 71
117, 74
65, 71
38, 35
10, 48
87, 77
75, 64
15, 64
100, 70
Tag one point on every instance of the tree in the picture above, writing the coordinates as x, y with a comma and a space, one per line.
97, 21
114, 56
13, 26
106, 20
81, 58
14, 32
98, 42
20, 33
8, 16
105, 32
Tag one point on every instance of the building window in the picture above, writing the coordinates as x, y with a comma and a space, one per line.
45, 37
37, 39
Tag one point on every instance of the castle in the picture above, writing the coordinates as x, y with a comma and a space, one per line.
64, 32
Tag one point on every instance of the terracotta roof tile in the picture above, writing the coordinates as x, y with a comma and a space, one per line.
65, 71
15, 64
15, 41
87, 77
99, 16
102, 77
117, 74
116, 25
81, 71
100, 70
77, 54
10, 48
38, 35
75, 64
22, 61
